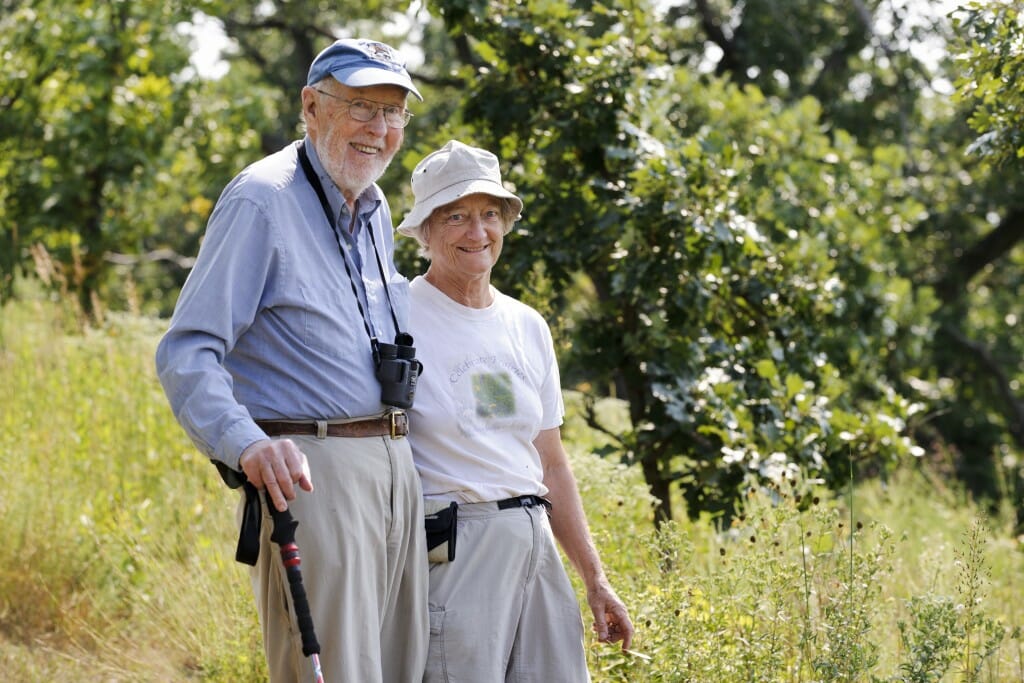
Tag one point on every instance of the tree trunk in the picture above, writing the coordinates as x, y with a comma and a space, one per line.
659, 488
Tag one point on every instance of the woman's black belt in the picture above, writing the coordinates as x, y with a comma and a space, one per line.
523, 502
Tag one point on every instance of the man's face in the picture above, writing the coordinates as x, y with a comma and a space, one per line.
354, 153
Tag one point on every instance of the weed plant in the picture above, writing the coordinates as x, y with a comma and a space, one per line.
118, 562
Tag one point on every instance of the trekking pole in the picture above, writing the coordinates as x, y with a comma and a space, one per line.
284, 536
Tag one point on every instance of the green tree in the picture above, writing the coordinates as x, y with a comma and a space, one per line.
748, 259
991, 49
983, 284
85, 116
962, 248
655, 194
765, 225
225, 129
275, 41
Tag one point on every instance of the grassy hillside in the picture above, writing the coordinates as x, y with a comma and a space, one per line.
118, 561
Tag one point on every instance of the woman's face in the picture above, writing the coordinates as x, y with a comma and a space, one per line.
464, 238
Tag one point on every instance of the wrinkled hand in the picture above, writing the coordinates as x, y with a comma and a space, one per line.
611, 620
277, 466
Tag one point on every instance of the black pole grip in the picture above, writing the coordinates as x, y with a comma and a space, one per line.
284, 536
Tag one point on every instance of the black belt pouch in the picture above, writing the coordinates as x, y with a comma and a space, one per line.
440, 526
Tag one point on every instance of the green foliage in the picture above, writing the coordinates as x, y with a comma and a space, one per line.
930, 639
738, 288
222, 133
991, 49
755, 222
84, 122
801, 586
946, 632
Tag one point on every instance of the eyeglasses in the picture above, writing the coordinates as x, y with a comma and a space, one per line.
364, 110
489, 217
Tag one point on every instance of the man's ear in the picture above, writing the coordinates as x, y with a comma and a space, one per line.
309, 103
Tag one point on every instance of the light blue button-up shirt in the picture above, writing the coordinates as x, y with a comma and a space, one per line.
267, 326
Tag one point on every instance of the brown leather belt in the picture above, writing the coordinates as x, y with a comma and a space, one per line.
394, 424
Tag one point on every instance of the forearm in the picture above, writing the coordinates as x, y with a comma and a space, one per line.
569, 524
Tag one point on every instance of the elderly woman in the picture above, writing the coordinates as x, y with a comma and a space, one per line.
485, 436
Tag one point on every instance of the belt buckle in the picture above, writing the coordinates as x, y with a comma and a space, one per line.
394, 415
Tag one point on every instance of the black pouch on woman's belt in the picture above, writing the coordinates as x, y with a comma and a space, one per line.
440, 525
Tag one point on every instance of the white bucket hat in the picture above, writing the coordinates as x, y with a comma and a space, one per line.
454, 171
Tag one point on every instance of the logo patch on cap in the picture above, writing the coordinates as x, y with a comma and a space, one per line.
382, 53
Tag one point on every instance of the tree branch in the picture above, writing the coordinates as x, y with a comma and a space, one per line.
991, 247
590, 417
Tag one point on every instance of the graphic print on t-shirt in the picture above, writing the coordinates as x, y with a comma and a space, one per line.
494, 395
491, 395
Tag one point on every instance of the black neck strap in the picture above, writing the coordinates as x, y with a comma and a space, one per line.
311, 176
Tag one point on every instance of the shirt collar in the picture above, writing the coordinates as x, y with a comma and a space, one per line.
366, 203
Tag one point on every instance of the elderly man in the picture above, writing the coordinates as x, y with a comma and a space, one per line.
272, 364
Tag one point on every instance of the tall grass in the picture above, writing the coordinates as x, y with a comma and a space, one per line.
116, 564
119, 543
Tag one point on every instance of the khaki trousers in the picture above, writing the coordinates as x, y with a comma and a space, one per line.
364, 567
504, 611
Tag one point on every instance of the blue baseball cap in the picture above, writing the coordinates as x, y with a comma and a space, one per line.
359, 63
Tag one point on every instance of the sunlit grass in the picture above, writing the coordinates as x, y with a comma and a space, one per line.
118, 562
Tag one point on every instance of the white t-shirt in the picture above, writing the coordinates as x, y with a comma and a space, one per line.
490, 384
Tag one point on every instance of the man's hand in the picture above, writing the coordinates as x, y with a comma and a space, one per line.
276, 466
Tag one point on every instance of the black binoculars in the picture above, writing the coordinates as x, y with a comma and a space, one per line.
397, 370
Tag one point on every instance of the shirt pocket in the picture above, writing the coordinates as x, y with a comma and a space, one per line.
332, 324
